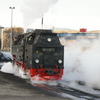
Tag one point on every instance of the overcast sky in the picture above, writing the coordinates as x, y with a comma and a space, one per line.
73, 14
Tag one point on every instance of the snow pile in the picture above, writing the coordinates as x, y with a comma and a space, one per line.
13, 69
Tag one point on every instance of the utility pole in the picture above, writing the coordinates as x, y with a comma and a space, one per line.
11, 38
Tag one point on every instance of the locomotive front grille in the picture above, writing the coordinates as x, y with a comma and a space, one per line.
48, 61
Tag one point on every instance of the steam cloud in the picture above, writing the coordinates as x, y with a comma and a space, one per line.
82, 62
33, 9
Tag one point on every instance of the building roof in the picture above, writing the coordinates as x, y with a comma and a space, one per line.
64, 30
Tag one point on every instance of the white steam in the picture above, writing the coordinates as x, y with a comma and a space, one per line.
33, 9
82, 62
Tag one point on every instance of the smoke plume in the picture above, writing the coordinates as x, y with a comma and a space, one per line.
33, 9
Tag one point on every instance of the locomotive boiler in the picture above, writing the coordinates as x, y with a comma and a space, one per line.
40, 54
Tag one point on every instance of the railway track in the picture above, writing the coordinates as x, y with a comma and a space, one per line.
69, 92
76, 92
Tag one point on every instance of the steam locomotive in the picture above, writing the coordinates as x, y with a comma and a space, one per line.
40, 54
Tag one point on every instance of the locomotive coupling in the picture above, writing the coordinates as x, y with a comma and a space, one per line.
50, 72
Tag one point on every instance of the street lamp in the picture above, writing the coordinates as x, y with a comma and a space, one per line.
11, 28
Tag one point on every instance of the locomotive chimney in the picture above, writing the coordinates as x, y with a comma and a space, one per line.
42, 22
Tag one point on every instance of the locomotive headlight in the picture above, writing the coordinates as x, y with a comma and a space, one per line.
49, 39
36, 60
59, 61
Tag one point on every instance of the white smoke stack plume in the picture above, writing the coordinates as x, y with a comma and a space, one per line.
33, 9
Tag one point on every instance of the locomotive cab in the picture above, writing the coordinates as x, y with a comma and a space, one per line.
41, 53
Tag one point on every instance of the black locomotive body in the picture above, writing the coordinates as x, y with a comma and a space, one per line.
41, 53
